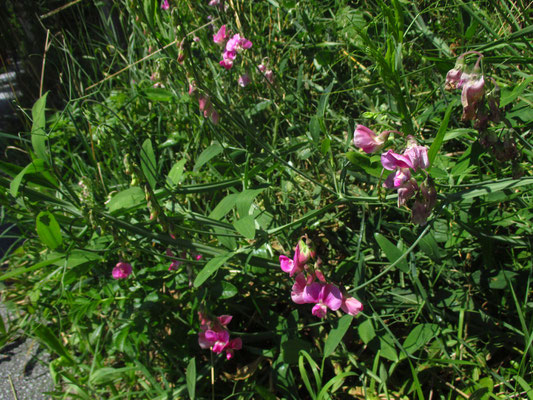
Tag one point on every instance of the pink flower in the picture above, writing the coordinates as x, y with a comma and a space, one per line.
390, 160
398, 178
198, 257
473, 91
226, 63
234, 344
220, 37
165, 5
352, 306
325, 296
289, 266
122, 270
368, 140
417, 154
238, 43
244, 80
214, 335
297, 293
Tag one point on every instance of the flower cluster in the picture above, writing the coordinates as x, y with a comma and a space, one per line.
214, 335
413, 159
234, 45
311, 287
122, 270
164, 5
476, 91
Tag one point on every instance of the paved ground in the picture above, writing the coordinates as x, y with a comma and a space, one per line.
22, 373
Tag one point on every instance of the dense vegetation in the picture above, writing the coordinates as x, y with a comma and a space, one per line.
183, 173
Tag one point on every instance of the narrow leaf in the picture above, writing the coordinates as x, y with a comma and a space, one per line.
191, 378
175, 174
437, 143
336, 334
210, 268
38, 133
212, 151
148, 163
50, 339
419, 336
33, 167
392, 252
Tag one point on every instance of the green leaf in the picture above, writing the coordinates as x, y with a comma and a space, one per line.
38, 133
211, 267
108, 374
175, 174
336, 334
510, 96
366, 331
148, 163
48, 230
158, 94
246, 226
131, 197
190, 375
47, 337
392, 252
223, 290
490, 187
437, 143
212, 151
362, 162
22, 270
33, 167
225, 205
290, 349
419, 336
387, 349
244, 200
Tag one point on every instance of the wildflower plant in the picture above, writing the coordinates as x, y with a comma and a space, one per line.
297, 205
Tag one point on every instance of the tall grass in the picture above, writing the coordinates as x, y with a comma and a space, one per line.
128, 168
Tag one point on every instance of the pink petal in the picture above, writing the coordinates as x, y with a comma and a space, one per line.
352, 306
286, 264
312, 293
319, 310
390, 160
298, 289
225, 319
331, 297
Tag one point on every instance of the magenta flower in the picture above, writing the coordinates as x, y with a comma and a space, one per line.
238, 44
391, 161
165, 5
122, 270
324, 297
289, 266
297, 293
220, 37
199, 257
368, 140
472, 93
418, 155
214, 335
352, 306
226, 63
244, 80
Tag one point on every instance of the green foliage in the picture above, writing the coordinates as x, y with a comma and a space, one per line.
128, 168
